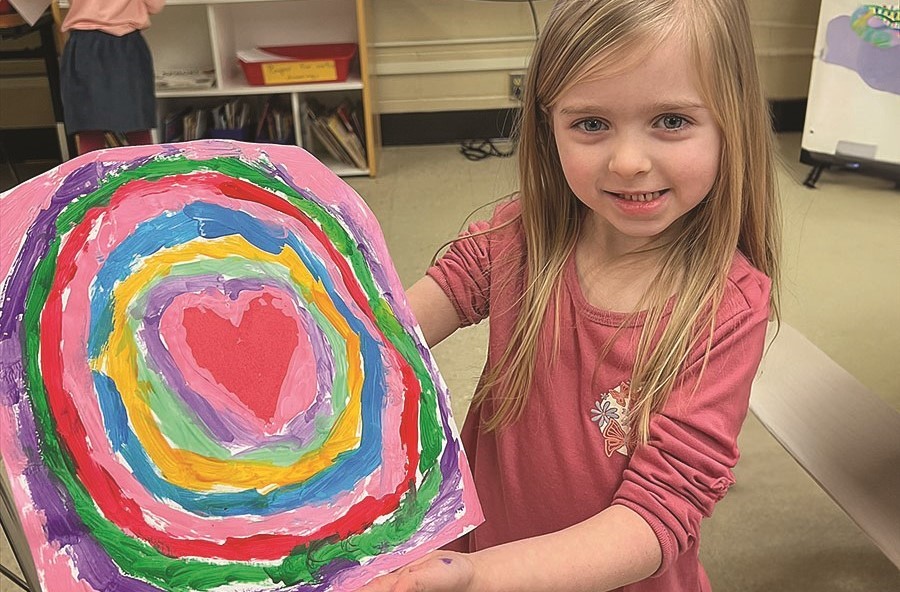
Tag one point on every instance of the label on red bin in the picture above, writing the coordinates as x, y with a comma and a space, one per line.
298, 72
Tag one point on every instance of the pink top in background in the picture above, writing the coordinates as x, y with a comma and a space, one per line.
116, 17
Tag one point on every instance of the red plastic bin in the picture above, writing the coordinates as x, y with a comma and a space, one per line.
308, 63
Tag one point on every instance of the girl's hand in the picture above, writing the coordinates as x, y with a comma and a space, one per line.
440, 571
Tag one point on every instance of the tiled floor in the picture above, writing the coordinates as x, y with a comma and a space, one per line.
776, 530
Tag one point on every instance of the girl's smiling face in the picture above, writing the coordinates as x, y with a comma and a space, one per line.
639, 148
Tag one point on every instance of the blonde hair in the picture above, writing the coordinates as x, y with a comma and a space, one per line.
740, 211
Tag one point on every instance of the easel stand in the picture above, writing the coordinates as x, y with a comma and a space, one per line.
9, 522
814, 175
821, 162
13, 578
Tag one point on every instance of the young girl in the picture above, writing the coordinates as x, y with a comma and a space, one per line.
628, 291
106, 71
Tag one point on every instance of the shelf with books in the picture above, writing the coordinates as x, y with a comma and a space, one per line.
195, 45
336, 129
268, 119
327, 124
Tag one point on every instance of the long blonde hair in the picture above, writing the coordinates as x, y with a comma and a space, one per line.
740, 211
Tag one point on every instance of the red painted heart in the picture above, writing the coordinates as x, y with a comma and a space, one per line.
246, 345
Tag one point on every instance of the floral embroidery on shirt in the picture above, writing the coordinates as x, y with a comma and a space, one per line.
609, 413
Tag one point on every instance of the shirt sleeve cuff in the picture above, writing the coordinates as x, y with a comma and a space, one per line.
663, 535
438, 275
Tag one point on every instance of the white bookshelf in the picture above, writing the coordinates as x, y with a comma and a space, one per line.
353, 83
205, 35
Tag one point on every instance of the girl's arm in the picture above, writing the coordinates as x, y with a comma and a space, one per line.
614, 548
433, 310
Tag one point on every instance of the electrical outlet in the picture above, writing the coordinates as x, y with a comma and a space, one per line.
516, 86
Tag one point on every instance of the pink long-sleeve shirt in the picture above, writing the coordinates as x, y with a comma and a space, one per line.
116, 17
566, 458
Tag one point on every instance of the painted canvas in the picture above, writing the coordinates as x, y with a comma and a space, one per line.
854, 86
210, 378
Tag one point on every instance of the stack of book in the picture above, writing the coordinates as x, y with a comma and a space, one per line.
184, 79
338, 130
187, 124
275, 125
115, 139
226, 120
233, 115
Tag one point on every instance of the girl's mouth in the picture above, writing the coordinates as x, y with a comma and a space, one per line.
650, 196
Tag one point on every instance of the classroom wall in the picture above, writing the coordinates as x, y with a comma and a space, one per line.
784, 32
446, 55
456, 55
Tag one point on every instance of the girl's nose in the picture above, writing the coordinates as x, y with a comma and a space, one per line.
629, 158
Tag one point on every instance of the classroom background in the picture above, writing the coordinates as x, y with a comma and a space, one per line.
431, 83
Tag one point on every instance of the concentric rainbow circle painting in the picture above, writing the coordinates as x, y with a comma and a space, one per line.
211, 379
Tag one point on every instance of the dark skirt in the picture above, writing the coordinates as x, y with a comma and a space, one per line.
107, 82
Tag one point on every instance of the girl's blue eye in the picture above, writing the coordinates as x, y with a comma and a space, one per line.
591, 125
673, 122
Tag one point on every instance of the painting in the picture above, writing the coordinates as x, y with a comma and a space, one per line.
853, 110
210, 379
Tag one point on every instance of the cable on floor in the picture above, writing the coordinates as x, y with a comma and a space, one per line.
481, 149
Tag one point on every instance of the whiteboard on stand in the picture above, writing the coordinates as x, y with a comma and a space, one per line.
853, 110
